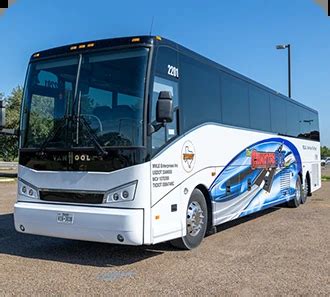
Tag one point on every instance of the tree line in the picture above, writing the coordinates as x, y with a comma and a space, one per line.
325, 151
9, 144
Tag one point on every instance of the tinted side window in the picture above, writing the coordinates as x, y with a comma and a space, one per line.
305, 120
309, 126
292, 119
259, 109
278, 116
235, 101
200, 94
166, 58
315, 130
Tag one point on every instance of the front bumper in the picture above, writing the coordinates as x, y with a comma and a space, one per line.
89, 223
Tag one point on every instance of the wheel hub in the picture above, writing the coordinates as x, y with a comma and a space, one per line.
195, 218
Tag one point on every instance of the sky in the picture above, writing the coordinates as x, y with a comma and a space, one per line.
238, 34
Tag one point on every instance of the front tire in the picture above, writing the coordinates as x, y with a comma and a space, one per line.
295, 202
196, 222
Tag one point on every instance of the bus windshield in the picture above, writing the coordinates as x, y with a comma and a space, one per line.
77, 100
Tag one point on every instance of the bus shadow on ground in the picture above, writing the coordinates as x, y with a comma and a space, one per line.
231, 224
88, 253
67, 251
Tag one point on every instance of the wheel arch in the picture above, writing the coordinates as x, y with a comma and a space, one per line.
301, 177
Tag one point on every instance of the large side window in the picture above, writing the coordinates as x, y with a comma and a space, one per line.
315, 130
259, 109
166, 79
199, 93
278, 116
306, 121
167, 63
309, 126
235, 101
292, 119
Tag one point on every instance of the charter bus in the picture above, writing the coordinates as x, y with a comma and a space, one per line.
139, 140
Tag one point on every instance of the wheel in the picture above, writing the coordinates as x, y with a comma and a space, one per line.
295, 202
196, 222
305, 191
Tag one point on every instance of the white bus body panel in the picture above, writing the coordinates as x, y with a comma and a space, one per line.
91, 222
210, 148
158, 213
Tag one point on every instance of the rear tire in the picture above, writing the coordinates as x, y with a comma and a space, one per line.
305, 191
295, 202
196, 222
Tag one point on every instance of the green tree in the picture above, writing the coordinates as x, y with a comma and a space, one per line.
325, 151
9, 144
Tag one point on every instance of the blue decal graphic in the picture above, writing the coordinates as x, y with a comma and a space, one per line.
262, 175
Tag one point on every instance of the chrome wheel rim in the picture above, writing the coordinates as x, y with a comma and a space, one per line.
195, 218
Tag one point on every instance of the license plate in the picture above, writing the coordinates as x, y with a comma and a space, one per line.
65, 218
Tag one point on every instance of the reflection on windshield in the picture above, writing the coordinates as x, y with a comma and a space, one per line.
109, 97
47, 99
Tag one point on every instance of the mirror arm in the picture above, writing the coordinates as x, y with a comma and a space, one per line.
154, 127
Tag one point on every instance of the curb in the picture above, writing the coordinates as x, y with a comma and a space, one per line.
7, 180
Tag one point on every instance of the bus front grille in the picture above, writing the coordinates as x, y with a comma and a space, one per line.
72, 197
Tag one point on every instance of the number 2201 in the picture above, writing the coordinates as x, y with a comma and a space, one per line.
173, 71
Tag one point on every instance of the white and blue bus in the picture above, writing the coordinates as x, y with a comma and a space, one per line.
139, 140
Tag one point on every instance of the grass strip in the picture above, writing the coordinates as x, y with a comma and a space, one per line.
325, 178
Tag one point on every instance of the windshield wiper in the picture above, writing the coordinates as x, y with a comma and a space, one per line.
81, 119
94, 138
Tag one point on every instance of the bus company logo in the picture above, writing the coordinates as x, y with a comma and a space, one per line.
71, 158
266, 160
188, 156
86, 158
82, 157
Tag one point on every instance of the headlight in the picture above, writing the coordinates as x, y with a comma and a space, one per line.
27, 190
120, 194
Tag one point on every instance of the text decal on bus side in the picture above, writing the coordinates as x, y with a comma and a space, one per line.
172, 71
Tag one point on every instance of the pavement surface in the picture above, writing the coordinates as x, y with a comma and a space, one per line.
280, 251
8, 170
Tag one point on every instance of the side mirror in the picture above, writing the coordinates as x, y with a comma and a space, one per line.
164, 112
2, 114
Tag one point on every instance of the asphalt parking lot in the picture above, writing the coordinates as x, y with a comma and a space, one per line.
280, 251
